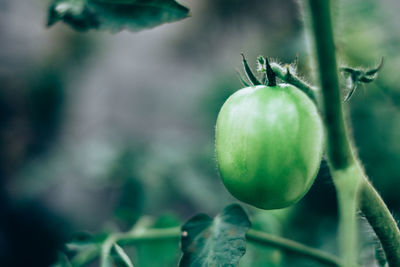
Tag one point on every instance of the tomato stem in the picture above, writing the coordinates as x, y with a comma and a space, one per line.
291, 78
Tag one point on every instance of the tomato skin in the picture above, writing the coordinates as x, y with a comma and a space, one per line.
269, 143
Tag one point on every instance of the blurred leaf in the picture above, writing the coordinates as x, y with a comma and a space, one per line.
45, 105
62, 261
215, 242
119, 257
167, 250
123, 176
166, 221
115, 15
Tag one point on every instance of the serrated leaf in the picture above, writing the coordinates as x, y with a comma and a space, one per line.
215, 242
134, 15
119, 257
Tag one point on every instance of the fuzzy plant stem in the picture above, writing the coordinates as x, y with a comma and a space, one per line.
343, 167
348, 175
385, 227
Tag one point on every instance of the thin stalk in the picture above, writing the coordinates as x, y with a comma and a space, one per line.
292, 246
149, 236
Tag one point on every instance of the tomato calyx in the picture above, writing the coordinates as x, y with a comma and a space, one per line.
270, 71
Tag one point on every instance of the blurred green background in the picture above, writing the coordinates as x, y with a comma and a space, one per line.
99, 129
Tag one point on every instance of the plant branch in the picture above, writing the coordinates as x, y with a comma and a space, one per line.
292, 246
382, 222
126, 239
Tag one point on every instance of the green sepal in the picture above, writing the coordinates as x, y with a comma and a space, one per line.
250, 75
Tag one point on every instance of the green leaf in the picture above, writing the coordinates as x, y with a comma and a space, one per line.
119, 257
115, 15
215, 242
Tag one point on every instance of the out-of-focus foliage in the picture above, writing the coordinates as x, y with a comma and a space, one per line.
98, 130
115, 15
168, 251
62, 261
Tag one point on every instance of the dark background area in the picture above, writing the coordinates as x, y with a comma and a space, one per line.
99, 129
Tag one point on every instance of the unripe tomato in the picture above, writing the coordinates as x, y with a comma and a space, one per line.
269, 142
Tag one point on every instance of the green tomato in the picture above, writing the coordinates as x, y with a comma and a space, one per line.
269, 143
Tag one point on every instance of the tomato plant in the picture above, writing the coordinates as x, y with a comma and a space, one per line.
269, 142
270, 139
